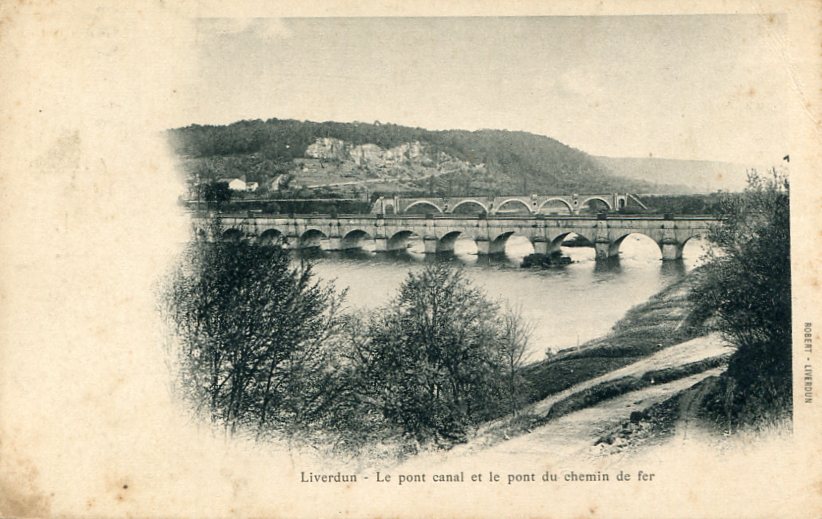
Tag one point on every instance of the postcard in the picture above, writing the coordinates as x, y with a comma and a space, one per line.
485, 259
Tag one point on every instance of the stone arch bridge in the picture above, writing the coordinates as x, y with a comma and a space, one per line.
533, 204
439, 233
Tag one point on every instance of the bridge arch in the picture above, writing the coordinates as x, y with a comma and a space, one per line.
312, 238
464, 202
423, 203
585, 201
232, 235
498, 243
702, 243
564, 202
399, 240
270, 238
446, 242
514, 201
695, 236
556, 241
502, 237
353, 239
615, 245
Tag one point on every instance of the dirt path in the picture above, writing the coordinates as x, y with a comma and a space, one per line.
687, 426
677, 355
572, 437
566, 441
680, 354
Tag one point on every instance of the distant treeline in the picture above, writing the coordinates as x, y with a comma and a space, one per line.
290, 206
517, 161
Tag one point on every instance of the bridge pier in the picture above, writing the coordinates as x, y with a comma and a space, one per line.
670, 244
381, 245
603, 249
544, 246
431, 245
291, 241
490, 246
332, 243
672, 250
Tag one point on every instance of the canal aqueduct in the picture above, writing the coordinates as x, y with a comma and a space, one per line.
439, 233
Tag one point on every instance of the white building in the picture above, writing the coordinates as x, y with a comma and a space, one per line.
234, 184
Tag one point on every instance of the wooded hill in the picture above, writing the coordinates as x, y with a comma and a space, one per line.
388, 157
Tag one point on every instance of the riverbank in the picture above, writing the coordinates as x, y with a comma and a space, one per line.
657, 351
664, 320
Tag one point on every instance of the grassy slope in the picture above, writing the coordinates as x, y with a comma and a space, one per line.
660, 322
663, 321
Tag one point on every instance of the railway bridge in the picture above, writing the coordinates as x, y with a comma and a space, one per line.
440, 232
529, 204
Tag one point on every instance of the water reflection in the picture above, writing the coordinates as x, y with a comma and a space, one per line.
673, 269
610, 265
400, 256
498, 260
629, 257
309, 253
356, 254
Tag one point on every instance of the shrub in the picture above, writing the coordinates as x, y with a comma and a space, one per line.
747, 289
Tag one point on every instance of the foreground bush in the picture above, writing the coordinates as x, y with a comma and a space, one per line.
747, 287
439, 359
253, 333
263, 349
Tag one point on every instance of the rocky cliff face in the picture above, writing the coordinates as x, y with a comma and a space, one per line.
368, 154
407, 166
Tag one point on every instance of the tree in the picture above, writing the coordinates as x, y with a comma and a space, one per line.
437, 360
217, 193
273, 208
516, 333
253, 336
747, 287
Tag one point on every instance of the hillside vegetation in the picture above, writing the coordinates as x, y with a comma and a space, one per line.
350, 157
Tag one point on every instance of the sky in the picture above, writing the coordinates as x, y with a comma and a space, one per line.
708, 87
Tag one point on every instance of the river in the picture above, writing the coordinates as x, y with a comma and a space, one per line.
566, 305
